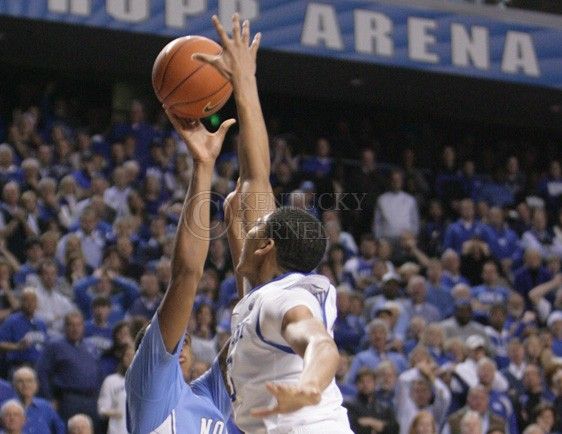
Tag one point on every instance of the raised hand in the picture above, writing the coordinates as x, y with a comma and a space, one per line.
238, 59
290, 398
203, 145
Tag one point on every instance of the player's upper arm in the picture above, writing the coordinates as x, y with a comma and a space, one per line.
153, 382
300, 327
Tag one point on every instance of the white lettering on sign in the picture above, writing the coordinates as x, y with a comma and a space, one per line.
321, 27
519, 54
373, 33
248, 9
470, 49
420, 39
75, 7
177, 10
131, 11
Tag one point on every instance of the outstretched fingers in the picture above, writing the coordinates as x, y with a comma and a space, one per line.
255, 44
236, 28
220, 30
245, 32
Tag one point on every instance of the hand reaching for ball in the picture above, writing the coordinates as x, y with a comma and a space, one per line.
203, 145
238, 59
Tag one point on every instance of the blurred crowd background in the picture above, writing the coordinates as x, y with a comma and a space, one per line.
445, 245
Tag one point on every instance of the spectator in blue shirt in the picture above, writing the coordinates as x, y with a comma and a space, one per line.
433, 230
84, 175
97, 330
137, 133
439, 294
452, 276
358, 270
376, 353
496, 192
41, 418
465, 228
320, 165
550, 188
22, 335
68, 371
448, 186
530, 275
150, 298
498, 334
122, 291
348, 329
503, 242
34, 255
490, 292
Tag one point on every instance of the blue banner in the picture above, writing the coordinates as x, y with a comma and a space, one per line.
378, 32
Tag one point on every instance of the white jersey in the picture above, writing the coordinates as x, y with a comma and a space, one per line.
258, 354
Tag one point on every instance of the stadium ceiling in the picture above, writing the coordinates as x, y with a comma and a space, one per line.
91, 52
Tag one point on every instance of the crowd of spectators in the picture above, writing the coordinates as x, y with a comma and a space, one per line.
449, 283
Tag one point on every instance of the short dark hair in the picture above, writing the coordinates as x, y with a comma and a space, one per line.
32, 242
365, 372
299, 238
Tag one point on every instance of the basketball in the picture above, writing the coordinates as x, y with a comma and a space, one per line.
189, 88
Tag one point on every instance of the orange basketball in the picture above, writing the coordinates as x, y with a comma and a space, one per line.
189, 88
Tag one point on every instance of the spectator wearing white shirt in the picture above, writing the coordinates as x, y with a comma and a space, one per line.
112, 399
116, 196
52, 304
92, 240
68, 201
29, 203
418, 389
540, 237
396, 211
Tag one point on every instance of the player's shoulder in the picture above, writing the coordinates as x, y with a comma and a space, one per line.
311, 282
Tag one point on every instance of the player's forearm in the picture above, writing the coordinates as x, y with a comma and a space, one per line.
253, 151
257, 197
192, 242
320, 362
190, 251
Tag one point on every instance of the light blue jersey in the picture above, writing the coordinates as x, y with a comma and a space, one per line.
159, 400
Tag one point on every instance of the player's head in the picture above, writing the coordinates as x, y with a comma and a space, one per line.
288, 239
186, 355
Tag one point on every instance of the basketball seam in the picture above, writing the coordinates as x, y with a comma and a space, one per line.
201, 99
185, 79
166, 68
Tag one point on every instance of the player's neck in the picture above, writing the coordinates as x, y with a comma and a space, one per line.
266, 274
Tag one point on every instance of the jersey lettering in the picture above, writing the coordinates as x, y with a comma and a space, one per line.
207, 424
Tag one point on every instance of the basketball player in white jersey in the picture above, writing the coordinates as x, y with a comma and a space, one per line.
282, 358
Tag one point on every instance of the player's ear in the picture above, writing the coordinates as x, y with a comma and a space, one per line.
265, 247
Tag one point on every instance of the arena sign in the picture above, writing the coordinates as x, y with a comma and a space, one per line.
487, 45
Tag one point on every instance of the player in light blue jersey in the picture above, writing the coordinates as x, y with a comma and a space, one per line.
158, 398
